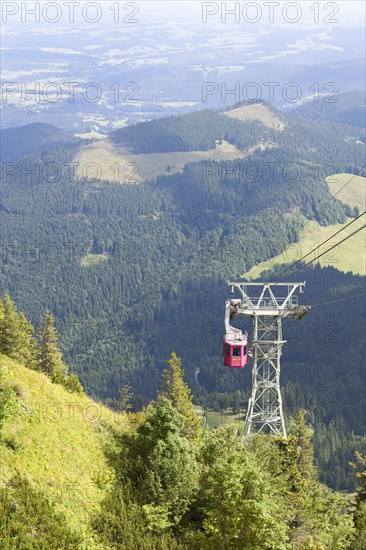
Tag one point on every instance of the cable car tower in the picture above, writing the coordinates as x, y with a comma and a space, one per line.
262, 302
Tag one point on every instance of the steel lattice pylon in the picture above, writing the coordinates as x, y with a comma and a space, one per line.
267, 308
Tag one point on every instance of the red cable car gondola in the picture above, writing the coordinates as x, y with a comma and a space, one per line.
235, 343
235, 351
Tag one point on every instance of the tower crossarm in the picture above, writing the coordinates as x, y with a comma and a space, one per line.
271, 299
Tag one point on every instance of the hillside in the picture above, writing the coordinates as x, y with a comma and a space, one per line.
346, 108
257, 111
120, 165
75, 477
197, 131
119, 265
165, 146
183, 276
60, 442
350, 255
349, 188
32, 139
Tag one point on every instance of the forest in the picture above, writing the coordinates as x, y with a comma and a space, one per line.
349, 109
175, 484
133, 272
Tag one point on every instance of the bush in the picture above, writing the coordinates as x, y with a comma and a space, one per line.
30, 522
70, 382
8, 404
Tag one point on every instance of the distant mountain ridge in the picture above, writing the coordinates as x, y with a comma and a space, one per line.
199, 130
347, 108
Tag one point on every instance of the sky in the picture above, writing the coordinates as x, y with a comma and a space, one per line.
303, 13
348, 12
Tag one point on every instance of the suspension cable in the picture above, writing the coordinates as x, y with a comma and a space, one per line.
321, 244
329, 249
339, 300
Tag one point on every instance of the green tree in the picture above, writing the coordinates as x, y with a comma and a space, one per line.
29, 347
122, 524
124, 403
240, 506
49, 354
161, 465
16, 333
360, 470
8, 400
305, 451
360, 512
10, 327
175, 389
70, 382
298, 456
314, 512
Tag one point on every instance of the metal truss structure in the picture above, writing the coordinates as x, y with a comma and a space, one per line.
267, 304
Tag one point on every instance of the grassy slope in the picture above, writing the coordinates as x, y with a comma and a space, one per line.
352, 193
147, 166
151, 165
63, 442
216, 418
257, 112
350, 256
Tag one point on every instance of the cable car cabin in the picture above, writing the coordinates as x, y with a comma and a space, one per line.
235, 351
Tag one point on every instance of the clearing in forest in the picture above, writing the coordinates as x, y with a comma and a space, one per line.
349, 256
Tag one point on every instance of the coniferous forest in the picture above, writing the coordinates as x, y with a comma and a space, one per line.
123, 290
175, 483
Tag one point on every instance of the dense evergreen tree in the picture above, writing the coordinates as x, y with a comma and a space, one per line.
301, 441
239, 506
160, 462
122, 524
168, 248
349, 109
17, 341
16, 333
177, 391
360, 512
124, 403
29, 354
314, 511
49, 354
221, 492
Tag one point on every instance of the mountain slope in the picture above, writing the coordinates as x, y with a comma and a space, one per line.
349, 188
257, 111
347, 108
197, 131
350, 255
120, 265
59, 441
32, 139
